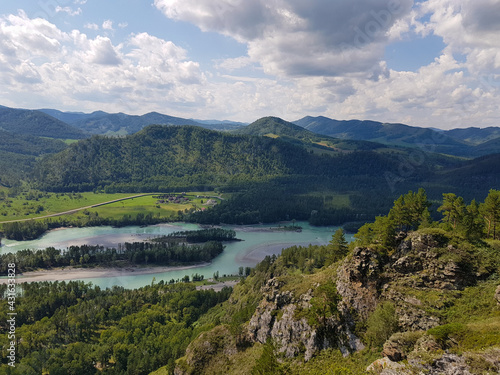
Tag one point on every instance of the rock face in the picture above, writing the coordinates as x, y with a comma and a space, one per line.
364, 278
358, 282
276, 318
450, 364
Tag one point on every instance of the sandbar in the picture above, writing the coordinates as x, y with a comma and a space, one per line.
71, 273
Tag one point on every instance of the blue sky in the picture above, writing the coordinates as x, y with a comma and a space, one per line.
431, 63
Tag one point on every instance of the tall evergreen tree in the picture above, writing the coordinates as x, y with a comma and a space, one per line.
338, 245
490, 210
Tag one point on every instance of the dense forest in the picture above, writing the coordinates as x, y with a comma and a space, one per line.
75, 328
31, 229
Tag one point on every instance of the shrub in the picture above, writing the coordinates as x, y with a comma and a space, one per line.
381, 324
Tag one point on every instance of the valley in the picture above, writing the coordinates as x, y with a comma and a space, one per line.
362, 244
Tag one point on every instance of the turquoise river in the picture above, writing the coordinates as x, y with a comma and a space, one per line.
258, 241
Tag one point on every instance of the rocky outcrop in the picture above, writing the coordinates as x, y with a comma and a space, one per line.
418, 256
449, 364
278, 317
358, 282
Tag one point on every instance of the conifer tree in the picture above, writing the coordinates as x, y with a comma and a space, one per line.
490, 210
338, 245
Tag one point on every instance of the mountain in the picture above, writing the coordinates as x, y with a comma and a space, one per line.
389, 134
314, 310
224, 125
276, 127
474, 136
100, 122
36, 123
181, 155
26, 135
18, 154
118, 123
489, 147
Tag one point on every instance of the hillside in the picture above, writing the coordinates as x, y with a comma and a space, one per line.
36, 123
474, 136
185, 155
19, 152
270, 178
423, 301
100, 122
275, 127
389, 134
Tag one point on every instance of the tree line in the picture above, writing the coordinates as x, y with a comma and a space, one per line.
202, 235
473, 221
143, 253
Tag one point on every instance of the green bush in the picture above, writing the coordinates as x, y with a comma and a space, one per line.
381, 324
446, 332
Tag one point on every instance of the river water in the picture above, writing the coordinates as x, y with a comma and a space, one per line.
258, 241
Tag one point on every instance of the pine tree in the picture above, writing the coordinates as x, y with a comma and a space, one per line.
490, 210
338, 245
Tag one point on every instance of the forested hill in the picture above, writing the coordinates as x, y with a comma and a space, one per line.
35, 123
386, 133
275, 126
163, 157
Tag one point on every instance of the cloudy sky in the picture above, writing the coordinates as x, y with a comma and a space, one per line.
424, 63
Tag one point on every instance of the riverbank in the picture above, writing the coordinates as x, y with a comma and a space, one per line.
71, 273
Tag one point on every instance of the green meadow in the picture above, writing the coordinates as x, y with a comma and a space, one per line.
34, 204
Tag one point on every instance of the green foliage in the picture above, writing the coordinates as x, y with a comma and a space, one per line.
410, 211
381, 324
202, 235
332, 362
36, 123
338, 245
446, 332
491, 212
324, 303
267, 364
159, 253
69, 327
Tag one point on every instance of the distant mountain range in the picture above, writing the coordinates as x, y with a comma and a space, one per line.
121, 124
30, 134
470, 142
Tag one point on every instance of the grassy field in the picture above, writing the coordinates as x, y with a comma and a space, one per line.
35, 204
150, 204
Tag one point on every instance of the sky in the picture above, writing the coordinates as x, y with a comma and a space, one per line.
429, 63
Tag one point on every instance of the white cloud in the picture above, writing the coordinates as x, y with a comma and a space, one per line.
68, 10
321, 59
234, 63
91, 26
297, 38
71, 69
107, 25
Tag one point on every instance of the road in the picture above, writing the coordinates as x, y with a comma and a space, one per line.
78, 209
